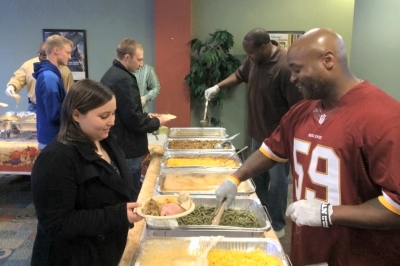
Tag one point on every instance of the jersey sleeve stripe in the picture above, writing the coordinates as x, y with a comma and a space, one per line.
267, 152
389, 203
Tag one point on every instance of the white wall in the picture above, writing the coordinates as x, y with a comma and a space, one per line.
239, 17
106, 24
376, 36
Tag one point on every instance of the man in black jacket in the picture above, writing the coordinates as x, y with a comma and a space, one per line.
131, 124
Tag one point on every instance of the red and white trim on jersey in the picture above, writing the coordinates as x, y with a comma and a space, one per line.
267, 152
389, 203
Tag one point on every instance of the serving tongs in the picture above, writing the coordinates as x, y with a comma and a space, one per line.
236, 153
216, 219
203, 122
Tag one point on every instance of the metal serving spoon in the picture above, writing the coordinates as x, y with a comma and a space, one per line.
221, 145
204, 122
236, 153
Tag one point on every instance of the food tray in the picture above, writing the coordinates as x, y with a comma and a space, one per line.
157, 228
25, 126
6, 125
229, 146
9, 116
198, 154
201, 132
165, 249
197, 181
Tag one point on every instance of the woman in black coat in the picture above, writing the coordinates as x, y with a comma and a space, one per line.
82, 186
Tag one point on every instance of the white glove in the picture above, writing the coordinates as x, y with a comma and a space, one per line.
211, 92
228, 189
10, 91
143, 100
311, 213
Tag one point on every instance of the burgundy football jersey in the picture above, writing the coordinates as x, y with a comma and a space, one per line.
345, 156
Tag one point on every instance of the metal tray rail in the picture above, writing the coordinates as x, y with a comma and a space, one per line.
248, 185
199, 154
200, 132
169, 140
198, 244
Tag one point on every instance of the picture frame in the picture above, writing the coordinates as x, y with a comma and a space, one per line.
78, 63
285, 38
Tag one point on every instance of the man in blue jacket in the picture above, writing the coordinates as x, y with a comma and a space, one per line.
49, 89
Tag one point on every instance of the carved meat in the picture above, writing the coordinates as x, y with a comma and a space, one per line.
171, 209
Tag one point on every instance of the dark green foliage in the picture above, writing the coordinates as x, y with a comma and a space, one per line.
211, 63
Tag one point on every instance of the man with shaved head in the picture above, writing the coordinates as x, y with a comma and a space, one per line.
343, 145
270, 94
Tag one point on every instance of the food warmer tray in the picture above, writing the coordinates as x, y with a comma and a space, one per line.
245, 188
201, 132
162, 228
26, 122
169, 140
199, 154
195, 245
25, 126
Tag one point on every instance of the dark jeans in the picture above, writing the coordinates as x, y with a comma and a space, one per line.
135, 165
272, 190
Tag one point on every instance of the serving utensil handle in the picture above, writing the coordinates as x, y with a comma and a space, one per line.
217, 218
236, 153
205, 110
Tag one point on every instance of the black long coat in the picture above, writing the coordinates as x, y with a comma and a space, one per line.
131, 124
80, 201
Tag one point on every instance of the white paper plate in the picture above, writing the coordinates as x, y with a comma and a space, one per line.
161, 197
169, 116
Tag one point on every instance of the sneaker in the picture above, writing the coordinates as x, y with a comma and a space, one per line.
280, 233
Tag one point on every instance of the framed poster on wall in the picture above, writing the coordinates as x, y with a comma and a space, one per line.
285, 38
78, 62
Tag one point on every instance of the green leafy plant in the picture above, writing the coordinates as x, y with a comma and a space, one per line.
211, 63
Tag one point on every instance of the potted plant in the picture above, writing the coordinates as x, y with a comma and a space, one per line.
211, 63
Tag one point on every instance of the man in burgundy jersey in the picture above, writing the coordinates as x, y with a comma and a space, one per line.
343, 144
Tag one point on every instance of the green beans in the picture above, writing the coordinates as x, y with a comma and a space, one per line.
203, 216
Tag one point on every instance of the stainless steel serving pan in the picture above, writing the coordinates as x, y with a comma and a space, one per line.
170, 141
198, 132
157, 228
25, 126
197, 181
195, 246
198, 154
6, 125
9, 116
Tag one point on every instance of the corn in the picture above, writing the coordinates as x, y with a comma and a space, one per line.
241, 258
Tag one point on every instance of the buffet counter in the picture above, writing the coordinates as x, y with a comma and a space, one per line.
18, 153
135, 234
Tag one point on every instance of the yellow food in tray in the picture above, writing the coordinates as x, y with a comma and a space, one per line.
203, 161
164, 252
242, 258
197, 182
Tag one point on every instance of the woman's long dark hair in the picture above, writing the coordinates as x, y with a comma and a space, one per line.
83, 96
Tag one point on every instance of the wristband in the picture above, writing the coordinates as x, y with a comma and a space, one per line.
325, 217
234, 179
